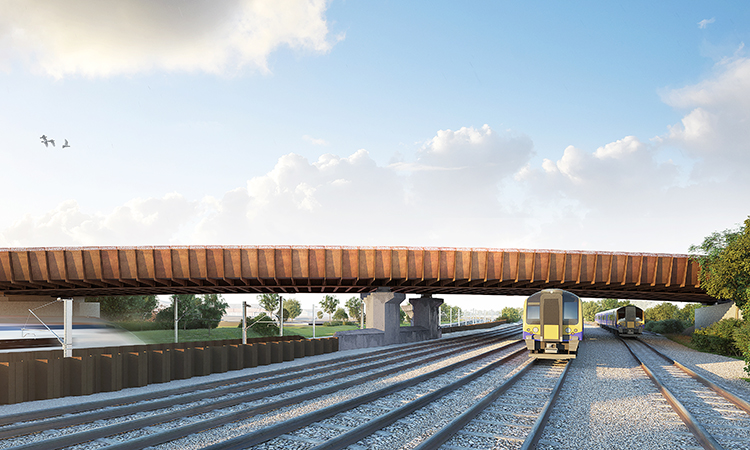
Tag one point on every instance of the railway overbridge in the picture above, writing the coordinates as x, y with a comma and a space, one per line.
94, 271
381, 275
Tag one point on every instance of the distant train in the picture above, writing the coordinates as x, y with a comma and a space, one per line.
625, 320
552, 324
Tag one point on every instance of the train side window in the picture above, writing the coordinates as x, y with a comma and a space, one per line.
570, 311
532, 314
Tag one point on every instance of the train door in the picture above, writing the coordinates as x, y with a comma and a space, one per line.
551, 314
630, 317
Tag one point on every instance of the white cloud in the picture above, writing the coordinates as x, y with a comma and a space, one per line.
703, 23
333, 200
314, 141
465, 168
108, 37
137, 222
470, 187
715, 128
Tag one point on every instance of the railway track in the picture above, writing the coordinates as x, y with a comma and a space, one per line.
283, 396
513, 415
717, 418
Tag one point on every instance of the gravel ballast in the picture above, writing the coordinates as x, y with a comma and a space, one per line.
606, 401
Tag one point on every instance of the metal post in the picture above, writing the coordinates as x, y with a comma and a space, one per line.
244, 323
281, 316
68, 327
314, 318
450, 316
362, 313
176, 320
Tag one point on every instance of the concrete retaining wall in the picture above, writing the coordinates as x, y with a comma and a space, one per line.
709, 315
41, 375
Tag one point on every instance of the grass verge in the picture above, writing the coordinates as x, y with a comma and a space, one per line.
687, 342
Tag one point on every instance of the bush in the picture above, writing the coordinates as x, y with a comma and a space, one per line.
720, 337
340, 323
669, 326
742, 341
144, 325
262, 324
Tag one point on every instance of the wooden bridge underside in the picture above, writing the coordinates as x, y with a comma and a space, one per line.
98, 271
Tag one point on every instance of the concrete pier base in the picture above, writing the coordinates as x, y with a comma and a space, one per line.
383, 321
382, 311
427, 314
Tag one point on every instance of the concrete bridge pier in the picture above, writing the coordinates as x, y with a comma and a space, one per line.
427, 314
382, 311
382, 308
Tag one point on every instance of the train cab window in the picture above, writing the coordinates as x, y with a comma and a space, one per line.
570, 311
532, 313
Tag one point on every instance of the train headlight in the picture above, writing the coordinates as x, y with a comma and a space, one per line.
567, 330
535, 330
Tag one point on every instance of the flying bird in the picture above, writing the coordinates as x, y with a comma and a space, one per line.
51, 141
65, 145
46, 141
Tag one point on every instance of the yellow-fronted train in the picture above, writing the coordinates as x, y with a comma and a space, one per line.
553, 324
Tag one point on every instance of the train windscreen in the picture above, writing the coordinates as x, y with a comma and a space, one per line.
570, 309
532, 313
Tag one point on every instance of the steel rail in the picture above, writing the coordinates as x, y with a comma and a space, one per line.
352, 436
702, 436
267, 433
69, 420
99, 404
538, 428
445, 433
737, 401
178, 432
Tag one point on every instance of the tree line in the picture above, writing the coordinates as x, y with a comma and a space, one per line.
135, 311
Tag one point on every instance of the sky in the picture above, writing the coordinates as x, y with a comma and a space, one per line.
503, 124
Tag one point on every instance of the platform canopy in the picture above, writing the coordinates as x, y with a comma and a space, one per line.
98, 271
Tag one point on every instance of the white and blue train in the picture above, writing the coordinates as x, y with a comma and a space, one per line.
625, 320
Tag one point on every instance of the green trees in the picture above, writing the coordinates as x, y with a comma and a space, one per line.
591, 308
292, 308
687, 312
341, 315
270, 303
210, 310
724, 259
662, 311
329, 305
126, 307
448, 313
195, 312
262, 324
511, 314
354, 308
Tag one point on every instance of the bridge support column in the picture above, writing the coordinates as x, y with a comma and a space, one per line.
382, 310
427, 314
